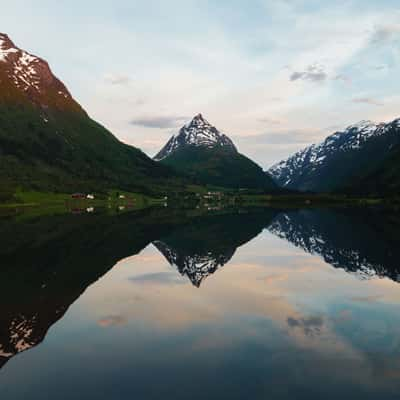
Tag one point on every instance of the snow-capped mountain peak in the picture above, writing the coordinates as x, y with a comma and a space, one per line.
320, 166
198, 132
6, 47
198, 121
364, 124
28, 73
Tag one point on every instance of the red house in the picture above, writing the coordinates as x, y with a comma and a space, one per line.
78, 196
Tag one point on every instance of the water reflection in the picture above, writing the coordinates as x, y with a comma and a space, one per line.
276, 318
200, 247
364, 242
48, 262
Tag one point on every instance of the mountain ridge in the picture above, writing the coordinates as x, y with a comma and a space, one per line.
342, 157
32, 76
49, 143
207, 156
198, 132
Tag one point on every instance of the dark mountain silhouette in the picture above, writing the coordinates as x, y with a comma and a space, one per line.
362, 242
48, 262
362, 159
383, 180
48, 142
201, 247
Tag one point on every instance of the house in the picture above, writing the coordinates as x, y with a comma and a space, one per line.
213, 196
78, 196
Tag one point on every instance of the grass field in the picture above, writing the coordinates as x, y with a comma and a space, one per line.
44, 203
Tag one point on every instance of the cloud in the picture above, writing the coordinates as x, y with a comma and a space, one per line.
289, 137
385, 33
281, 137
366, 299
343, 78
271, 279
270, 121
117, 79
311, 325
112, 320
161, 122
313, 73
381, 67
367, 100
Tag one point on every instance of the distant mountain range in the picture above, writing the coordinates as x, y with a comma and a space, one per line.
48, 142
364, 158
207, 156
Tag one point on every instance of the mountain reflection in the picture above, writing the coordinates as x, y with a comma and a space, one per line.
362, 242
48, 262
201, 247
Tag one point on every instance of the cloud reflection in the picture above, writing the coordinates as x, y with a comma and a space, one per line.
160, 278
112, 320
310, 325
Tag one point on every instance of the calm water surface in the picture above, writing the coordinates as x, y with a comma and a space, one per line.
277, 304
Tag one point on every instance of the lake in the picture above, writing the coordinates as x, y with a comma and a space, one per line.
185, 304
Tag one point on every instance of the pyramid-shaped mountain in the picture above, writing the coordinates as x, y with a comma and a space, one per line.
207, 156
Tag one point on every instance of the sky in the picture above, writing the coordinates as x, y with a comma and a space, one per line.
274, 75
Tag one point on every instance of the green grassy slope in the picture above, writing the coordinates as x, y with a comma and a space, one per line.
49, 143
383, 180
219, 167
66, 151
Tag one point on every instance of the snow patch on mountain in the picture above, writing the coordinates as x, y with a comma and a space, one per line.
289, 172
25, 70
198, 132
5, 49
